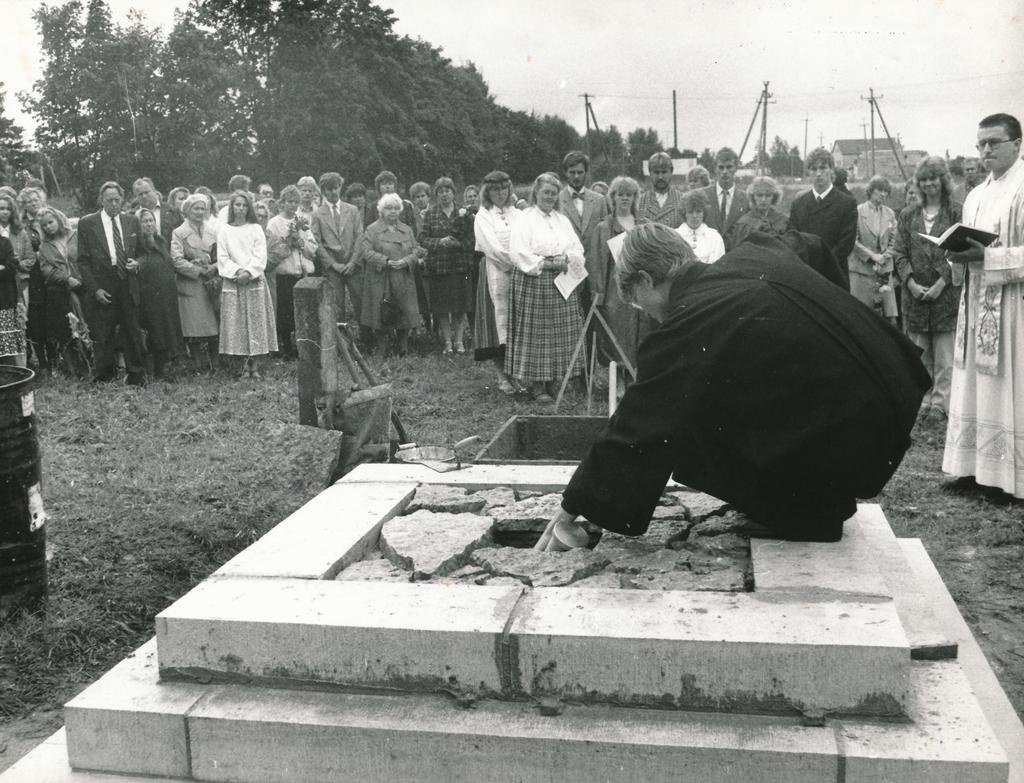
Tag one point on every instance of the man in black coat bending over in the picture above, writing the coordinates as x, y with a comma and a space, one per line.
765, 385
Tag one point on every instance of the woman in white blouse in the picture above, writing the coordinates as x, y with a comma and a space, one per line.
543, 325
292, 246
707, 244
493, 228
246, 312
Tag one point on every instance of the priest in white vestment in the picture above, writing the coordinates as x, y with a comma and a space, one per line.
985, 436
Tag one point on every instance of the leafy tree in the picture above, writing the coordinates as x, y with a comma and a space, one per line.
784, 159
608, 154
641, 143
275, 90
13, 154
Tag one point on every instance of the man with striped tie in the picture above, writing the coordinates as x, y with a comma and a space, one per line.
107, 248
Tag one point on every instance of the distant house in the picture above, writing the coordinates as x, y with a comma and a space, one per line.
854, 155
680, 167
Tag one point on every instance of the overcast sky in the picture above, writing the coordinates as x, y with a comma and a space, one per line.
938, 66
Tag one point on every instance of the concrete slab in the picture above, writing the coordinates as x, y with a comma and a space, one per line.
736, 652
929, 639
842, 570
330, 532
538, 478
388, 635
281, 737
126, 722
48, 763
947, 741
996, 707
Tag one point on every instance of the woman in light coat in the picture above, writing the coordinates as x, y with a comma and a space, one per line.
193, 248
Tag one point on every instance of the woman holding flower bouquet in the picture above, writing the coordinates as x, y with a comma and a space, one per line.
246, 312
871, 261
291, 249
930, 300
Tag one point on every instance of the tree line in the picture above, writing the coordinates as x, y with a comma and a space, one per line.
275, 90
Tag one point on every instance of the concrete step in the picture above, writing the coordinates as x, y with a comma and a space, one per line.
691, 650
251, 734
866, 564
327, 534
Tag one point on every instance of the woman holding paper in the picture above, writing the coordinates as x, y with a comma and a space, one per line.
545, 318
628, 324
930, 300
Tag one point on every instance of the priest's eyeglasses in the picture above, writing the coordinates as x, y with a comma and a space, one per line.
993, 143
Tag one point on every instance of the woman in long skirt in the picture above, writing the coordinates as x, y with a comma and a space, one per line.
544, 325
493, 228
246, 312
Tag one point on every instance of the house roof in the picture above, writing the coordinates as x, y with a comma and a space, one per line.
860, 146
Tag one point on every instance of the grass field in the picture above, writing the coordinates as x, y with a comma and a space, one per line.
150, 490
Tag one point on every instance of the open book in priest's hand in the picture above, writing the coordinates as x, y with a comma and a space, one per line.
954, 238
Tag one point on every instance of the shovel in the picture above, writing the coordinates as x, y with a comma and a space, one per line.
438, 458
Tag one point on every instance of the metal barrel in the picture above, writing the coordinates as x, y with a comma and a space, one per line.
22, 519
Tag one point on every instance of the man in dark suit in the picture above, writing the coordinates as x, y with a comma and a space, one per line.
662, 203
726, 202
108, 243
148, 197
337, 227
584, 207
824, 210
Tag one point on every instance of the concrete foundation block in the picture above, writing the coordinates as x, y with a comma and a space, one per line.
280, 737
126, 722
929, 639
998, 711
946, 741
537, 478
48, 763
842, 570
712, 651
330, 532
386, 635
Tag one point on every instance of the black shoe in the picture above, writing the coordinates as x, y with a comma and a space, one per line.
962, 485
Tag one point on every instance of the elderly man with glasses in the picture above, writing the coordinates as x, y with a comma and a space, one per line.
985, 434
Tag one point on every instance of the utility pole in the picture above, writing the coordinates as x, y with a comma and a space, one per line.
751, 126
675, 123
762, 165
586, 117
821, 139
871, 100
806, 121
892, 144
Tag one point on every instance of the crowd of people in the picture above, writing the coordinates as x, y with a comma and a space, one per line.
154, 280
